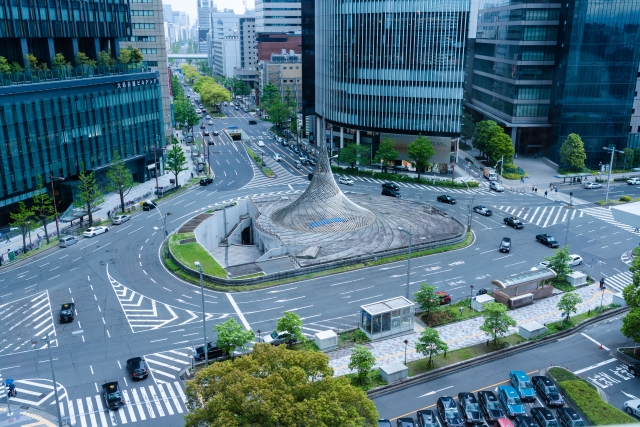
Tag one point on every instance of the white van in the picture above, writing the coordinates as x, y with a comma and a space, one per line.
67, 241
198, 111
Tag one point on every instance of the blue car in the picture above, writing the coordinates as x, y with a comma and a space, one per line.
523, 386
511, 401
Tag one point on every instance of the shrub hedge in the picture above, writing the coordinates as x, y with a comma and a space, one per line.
591, 404
437, 181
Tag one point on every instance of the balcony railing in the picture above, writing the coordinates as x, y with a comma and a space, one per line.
41, 76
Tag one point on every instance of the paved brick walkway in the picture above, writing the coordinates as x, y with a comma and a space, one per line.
467, 333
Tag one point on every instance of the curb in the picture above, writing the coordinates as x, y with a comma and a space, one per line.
39, 416
427, 376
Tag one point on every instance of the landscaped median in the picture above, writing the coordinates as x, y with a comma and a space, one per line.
187, 250
425, 179
588, 400
258, 159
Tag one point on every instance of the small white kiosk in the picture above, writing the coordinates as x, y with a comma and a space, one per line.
386, 318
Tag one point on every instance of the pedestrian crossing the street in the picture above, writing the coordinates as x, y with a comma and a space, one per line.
543, 216
619, 281
23, 319
166, 365
37, 392
605, 215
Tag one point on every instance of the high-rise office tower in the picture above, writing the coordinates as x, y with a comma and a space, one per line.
277, 16
205, 7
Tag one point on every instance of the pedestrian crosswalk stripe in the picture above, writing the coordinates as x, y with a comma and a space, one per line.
132, 415
542, 216
606, 216
619, 281
138, 405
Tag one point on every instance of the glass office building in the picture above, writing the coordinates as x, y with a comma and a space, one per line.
54, 118
387, 68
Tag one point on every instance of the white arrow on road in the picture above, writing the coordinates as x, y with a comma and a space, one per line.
285, 300
434, 392
630, 396
281, 290
188, 303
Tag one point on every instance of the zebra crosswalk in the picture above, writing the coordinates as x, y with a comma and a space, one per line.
605, 215
543, 216
619, 281
283, 177
23, 319
166, 365
423, 186
37, 392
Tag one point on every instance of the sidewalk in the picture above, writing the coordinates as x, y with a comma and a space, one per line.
32, 417
111, 200
467, 333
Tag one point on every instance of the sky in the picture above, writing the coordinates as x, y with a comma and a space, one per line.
190, 6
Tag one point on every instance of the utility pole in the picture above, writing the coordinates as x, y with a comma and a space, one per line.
613, 150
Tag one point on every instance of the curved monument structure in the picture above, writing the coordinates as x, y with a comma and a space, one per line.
323, 208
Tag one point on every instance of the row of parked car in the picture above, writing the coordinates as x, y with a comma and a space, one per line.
504, 409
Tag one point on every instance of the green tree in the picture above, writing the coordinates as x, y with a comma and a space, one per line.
274, 387
32, 62
82, 60
278, 112
496, 320
232, 335
349, 155
125, 56
628, 157
23, 221
430, 344
190, 72
291, 323
468, 127
386, 152
42, 207
16, 68
213, 93
569, 303
136, 56
572, 152
4, 65
631, 292
120, 178
631, 325
420, 151
485, 130
427, 299
176, 88
362, 361
270, 93
176, 161
59, 62
559, 262
201, 81
105, 59
500, 146
89, 195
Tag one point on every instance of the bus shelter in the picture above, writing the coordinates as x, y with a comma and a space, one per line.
523, 288
386, 318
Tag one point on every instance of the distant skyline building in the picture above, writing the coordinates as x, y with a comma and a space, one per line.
285, 72
205, 7
382, 70
222, 24
226, 55
273, 16
167, 13
247, 69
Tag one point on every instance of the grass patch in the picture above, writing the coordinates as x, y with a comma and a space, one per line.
372, 380
351, 338
627, 199
563, 285
53, 241
450, 313
191, 252
253, 155
268, 172
462, 354
588, 400
249, 276
631, 353
563, 325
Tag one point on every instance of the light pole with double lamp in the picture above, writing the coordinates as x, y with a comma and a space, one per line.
204, 325
53, 375
408, 258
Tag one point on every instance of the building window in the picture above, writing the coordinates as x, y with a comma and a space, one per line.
142, 13
142, 38
152, 63
141, 26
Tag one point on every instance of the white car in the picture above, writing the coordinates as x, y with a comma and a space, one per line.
120, 219
345, 180
94, 231
633, 181
495, 186
277, 338
210, 122
573, 261
632, 407
590, 185
277, 157
260, 143
208, 117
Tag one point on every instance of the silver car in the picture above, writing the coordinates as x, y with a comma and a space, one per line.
277, 338
120, 219
496, 187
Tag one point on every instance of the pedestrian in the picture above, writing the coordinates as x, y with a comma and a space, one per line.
81, 220
545, 193
8, 240
556, 189
109, 214
533, 188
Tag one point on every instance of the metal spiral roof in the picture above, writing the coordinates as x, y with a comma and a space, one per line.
323, 208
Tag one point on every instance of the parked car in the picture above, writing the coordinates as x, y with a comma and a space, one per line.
510, 400
445, 298
632, 407
120, 219
405, 422
634, 368
490, 406
470, 408
345, 180
547, 390
523, 386
445, 198
633, 181
514, 222
448, 411
138, 368
493, 185
547, 239
94, 231
311, 161
277, 338
206, 181
505, 245
384, 423
590, 185
482, 210
112, 395
66, 241
427, 418
67, 312
568, 417
213, 352
525, 421
544, 417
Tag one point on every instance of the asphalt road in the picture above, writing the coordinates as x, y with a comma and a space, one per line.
578, 353
128, 305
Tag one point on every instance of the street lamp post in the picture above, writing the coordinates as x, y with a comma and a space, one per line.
613, 150
408, 259
566, 237
470, 297
53, 196
259, 336
53, 375
602, 298
470, 204
164, 221
204, 325
405, 351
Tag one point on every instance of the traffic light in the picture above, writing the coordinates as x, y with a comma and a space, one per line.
602, 283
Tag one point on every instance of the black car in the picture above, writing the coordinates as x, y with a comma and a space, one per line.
445, 198
138, 368
310, 176
490, 406
482, 210
427, 418
206, 181
112, 395
202, 126
470, 408
205, 133
448, 411
210, 142
213, 352
514, 222
505, 244
547, 239
405, 422
147, 206
253, 122
390, 193
524, 421
311, 162
544, 417
568, 417
634, 368
67, 312
547, 390
390, 186
216, 133
384, 423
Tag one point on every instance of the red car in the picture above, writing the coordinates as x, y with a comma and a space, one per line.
444, 297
